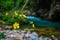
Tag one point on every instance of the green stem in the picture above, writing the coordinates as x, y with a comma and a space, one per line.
24, 5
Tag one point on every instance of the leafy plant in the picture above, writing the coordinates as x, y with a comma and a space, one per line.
2, 36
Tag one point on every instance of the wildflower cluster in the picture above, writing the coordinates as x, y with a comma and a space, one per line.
13, 18
16, 19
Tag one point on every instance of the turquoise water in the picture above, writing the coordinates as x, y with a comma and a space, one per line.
42, 23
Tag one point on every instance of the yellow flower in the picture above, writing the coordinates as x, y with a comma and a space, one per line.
24, 16
6, 14
33, 25
15, 13
20, 15
16, 25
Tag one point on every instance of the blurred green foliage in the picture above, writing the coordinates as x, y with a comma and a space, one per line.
9, 5
2, 35
11, 19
